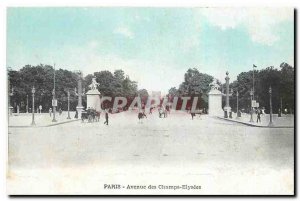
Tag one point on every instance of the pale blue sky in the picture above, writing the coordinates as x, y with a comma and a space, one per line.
154, 46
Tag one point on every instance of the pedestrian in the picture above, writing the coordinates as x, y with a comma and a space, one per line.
258, 116
40, 108
60, 111
106, 118
193, 114
50, 111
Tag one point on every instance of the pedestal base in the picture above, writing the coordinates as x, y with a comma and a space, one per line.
93, 100
10, 110
68, 115
227, 112
79, 110
215, 103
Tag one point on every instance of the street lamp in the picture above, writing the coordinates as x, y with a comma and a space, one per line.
27, 103
237, 104
68, 105
254, 66
251, 109
10, 95
227, 108
54, 101
271, 112
79, 93
33, 91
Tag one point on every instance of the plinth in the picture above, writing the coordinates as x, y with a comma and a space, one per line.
79, 110
215, 103
93, 100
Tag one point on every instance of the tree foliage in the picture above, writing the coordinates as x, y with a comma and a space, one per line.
281, 80
42, 77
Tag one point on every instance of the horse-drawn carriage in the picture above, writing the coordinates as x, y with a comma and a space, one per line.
162, 112
91, 115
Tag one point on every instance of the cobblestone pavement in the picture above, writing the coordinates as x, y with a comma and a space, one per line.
79, 158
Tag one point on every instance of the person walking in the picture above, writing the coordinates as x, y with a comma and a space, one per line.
106, 118
151, 108
258, 116
193, 114
50, 111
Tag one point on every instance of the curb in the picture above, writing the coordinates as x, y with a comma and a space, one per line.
49, 125
253, 125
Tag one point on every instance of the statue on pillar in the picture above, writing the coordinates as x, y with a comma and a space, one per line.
214, 85
215, 99
94, 84
93, 100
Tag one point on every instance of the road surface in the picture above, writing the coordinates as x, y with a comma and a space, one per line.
220, 156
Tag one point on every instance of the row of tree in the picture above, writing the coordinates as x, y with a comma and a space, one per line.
281, 80
42, 78
195, 84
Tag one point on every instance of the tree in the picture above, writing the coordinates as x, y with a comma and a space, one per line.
195, 84
287, 86
143, 93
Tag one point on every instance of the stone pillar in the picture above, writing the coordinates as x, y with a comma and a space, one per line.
80, 93
227, 108
93, 100
215, 103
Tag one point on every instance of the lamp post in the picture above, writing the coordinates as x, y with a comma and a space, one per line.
54, 101
237, 104
280, 112
251, 109
27, 103
80, 93
33, 91
271, 110
11, 93
68, 105
227, 108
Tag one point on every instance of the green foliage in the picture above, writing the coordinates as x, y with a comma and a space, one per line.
282, 82
194, 84
118, 84
41, 77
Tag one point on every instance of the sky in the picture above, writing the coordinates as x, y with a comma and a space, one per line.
154, 46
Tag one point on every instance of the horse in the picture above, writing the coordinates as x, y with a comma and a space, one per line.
141, 115
162, 111
97, 116
91, 115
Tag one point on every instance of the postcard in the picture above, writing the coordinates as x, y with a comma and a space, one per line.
150, 101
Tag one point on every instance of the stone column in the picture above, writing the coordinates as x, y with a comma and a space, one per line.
227, 108
80, 93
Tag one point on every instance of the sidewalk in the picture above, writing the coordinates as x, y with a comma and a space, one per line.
285, 121
23, 120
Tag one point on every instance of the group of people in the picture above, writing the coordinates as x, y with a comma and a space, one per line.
51, 111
